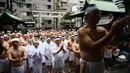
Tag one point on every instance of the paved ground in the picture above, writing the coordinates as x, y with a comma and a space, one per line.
106, 71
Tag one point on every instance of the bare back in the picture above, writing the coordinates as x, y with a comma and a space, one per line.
85, 34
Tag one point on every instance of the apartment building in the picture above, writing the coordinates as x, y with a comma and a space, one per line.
45, 13
24, 9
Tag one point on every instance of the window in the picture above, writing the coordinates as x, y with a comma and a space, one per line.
81, 2
49, 21
81, 7
49, 0
29, 13
28, 5
48, 6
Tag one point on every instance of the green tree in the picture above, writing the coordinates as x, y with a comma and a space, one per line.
67, 16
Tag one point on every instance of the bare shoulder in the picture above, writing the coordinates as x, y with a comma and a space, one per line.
10, 49
22, 48
102, 29
81, 31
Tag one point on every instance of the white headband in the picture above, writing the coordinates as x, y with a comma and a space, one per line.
57, 39
15, 39
90, 8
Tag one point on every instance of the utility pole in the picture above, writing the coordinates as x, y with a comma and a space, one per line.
127, 6
11, 5
7, 3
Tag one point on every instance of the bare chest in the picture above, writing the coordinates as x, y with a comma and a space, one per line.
77, 46
17, 53
95, 35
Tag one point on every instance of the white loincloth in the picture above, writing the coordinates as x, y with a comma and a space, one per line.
17, 69
4, 65
81, 60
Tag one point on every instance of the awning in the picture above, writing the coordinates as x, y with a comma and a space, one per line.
6, 17
105, 20
106, 5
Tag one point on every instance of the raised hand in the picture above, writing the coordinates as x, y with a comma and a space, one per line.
62, 46
119, 23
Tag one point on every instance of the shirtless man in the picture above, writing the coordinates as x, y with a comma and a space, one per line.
76, 55
6, 42
92, 39
71, 63
17, 55
4, 63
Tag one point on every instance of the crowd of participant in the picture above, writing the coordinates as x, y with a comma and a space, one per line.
37, 49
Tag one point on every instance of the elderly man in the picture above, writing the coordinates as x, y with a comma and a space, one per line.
58, 53
17, 55
92, 39
36, 58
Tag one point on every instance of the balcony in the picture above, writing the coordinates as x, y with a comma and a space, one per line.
64, 1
